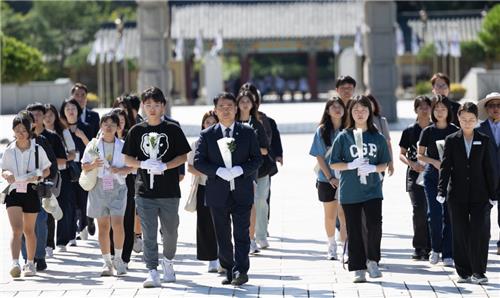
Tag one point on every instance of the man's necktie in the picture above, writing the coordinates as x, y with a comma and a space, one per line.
228, 130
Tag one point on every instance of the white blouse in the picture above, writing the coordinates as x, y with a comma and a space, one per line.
21, 163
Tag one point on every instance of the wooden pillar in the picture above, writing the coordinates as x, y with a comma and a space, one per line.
188, 66
245, 68
312, 75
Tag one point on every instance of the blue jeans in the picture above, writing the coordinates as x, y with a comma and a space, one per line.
41, 231
167, 209
437, 213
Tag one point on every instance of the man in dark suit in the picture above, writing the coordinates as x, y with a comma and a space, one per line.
226, 204
79, 92
489, 111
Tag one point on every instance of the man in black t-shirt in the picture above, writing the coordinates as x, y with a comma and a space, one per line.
49, 142
157, 148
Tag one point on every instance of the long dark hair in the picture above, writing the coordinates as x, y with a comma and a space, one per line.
118, 112
326, 125
253, 110
376, 105
59, 126
248, 86
364, 101
440, 99
125, 101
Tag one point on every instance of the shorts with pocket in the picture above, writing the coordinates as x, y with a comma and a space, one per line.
111, 202
326, 192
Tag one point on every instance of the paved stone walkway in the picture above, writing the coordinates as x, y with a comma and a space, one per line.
293, 266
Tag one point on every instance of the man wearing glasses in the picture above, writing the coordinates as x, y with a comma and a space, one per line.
489, 111
345, 86
441, 85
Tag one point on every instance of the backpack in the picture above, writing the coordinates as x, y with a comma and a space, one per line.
56, 179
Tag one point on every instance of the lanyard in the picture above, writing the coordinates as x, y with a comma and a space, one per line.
112, 152
17, 164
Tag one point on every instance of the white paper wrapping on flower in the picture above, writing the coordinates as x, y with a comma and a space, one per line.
152, 139
440, 148
358, 139
225, 152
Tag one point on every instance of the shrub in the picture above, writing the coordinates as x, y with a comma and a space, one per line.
423, 87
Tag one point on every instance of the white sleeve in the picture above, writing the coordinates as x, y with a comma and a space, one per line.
190, 155
68, 140
43, 161
86, 158
7, 161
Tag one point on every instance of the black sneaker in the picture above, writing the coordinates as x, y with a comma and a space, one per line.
416, 255
91, 227
41, 265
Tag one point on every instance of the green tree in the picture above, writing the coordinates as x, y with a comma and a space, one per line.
20, 62
61, 28
489, 36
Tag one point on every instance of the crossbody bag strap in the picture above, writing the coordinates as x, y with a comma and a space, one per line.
36, 158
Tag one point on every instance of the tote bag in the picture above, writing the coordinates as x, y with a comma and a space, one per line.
88, 179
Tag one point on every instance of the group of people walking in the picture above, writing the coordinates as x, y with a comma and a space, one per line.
123, 172
452, 177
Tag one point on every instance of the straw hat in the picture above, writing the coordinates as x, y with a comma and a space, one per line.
481, 105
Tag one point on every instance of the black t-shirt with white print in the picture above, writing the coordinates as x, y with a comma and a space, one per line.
171, 143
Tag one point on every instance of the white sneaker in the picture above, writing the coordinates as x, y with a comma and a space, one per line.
372, 269
137, 245
345, 253
72, 242
120, 266
448, 262
29, 269
253, 247
168, 270
359, 276
434, 258
263, 244
49, 251
213, 266
153, 280
84, 234
479, 279
463, 279
15, 271
332, 251
107, 269
62, 248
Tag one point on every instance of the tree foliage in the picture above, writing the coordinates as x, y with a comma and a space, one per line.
20, 62
489, 36
60, 29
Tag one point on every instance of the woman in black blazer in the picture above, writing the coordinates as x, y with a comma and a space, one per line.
466, 179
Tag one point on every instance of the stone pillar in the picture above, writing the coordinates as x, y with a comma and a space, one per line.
153, 26
188, 78
380, 49
312, 75
245, 68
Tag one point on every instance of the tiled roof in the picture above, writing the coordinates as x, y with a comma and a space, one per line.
267, 20
444, 29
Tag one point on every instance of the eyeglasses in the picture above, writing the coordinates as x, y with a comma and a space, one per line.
440, 86
493, 105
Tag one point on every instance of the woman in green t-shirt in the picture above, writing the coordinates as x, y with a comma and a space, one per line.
361, 187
